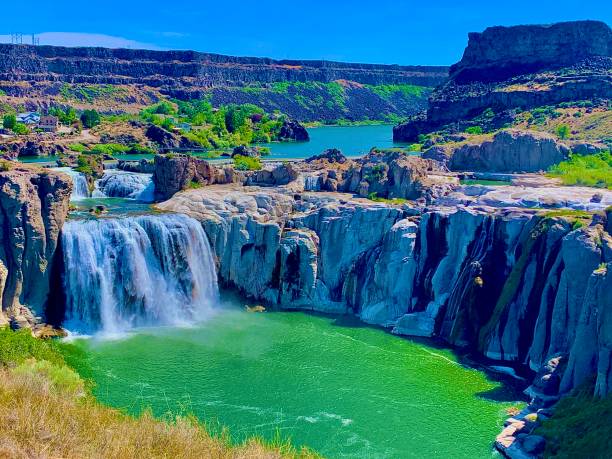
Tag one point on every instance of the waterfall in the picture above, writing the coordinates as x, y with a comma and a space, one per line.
121, 184
80, 188
122, 273
312, 183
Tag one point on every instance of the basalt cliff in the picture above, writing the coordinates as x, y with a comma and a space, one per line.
506, 68
114, 79
33, 208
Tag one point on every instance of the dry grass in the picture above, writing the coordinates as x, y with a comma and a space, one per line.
42, 416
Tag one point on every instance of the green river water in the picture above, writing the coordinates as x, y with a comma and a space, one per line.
343, 389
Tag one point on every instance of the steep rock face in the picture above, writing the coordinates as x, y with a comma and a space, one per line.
188, 68
172, 174
510, 151
501, 52
33, 207
524, 66
517, 287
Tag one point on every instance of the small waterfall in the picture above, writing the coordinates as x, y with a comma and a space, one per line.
312, 183
80, 188
121, 184
129, 272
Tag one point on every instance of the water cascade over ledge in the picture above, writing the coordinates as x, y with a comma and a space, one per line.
120, 184
122, 273
80, 188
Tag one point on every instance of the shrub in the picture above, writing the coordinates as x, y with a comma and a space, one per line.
109, 149
61, 377
563, 131
587, 170
246, 163
21, 129
5, 166
90, 118
78, 147
474, 130
9, 121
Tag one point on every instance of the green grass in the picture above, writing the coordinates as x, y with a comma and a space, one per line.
585, 170
18, 346
580, 426
396, 201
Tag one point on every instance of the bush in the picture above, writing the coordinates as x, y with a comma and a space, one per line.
587, 170
61, 377
21, 129
9, 121
109, 149
246, 163
474, 130
78, 147
563, 131
90, 118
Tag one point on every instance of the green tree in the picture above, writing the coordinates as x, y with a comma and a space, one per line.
90, 118
9, 121
20, 129
563, 131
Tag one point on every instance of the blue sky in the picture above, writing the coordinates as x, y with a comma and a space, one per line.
426, 32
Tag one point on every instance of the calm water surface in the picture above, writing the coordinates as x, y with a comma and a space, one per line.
346, 391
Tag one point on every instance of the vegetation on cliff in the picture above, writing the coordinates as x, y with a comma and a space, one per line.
580, 426
52, 413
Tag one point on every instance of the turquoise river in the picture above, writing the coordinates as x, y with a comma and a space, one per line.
343, 389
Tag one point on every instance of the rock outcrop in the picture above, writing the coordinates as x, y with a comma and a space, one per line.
173, 173
517, 286
390, 174
499, 53
33, 207
507, 68
507, 151
292, 130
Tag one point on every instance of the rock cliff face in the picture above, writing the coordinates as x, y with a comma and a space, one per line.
505, 68
190, 68
507, 151
514, 285
502, 52
33, 207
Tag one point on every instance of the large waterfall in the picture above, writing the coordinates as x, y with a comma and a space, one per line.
120, 184
128, 272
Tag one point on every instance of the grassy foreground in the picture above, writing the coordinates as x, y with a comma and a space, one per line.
46, 410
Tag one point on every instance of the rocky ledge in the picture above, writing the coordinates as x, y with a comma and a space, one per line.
33, 207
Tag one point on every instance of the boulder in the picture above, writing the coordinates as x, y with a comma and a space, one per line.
173, 173
280, 175
330, 156
292, 130
509, 151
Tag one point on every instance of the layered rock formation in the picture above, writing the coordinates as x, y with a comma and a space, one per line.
33, 205
507, 151
190, 68
514, 285
524, 66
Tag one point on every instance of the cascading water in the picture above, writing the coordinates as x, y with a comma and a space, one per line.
80, 188
121, 184
129, 272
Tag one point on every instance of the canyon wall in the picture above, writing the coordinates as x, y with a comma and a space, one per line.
33, 207
191, 68
515, 286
